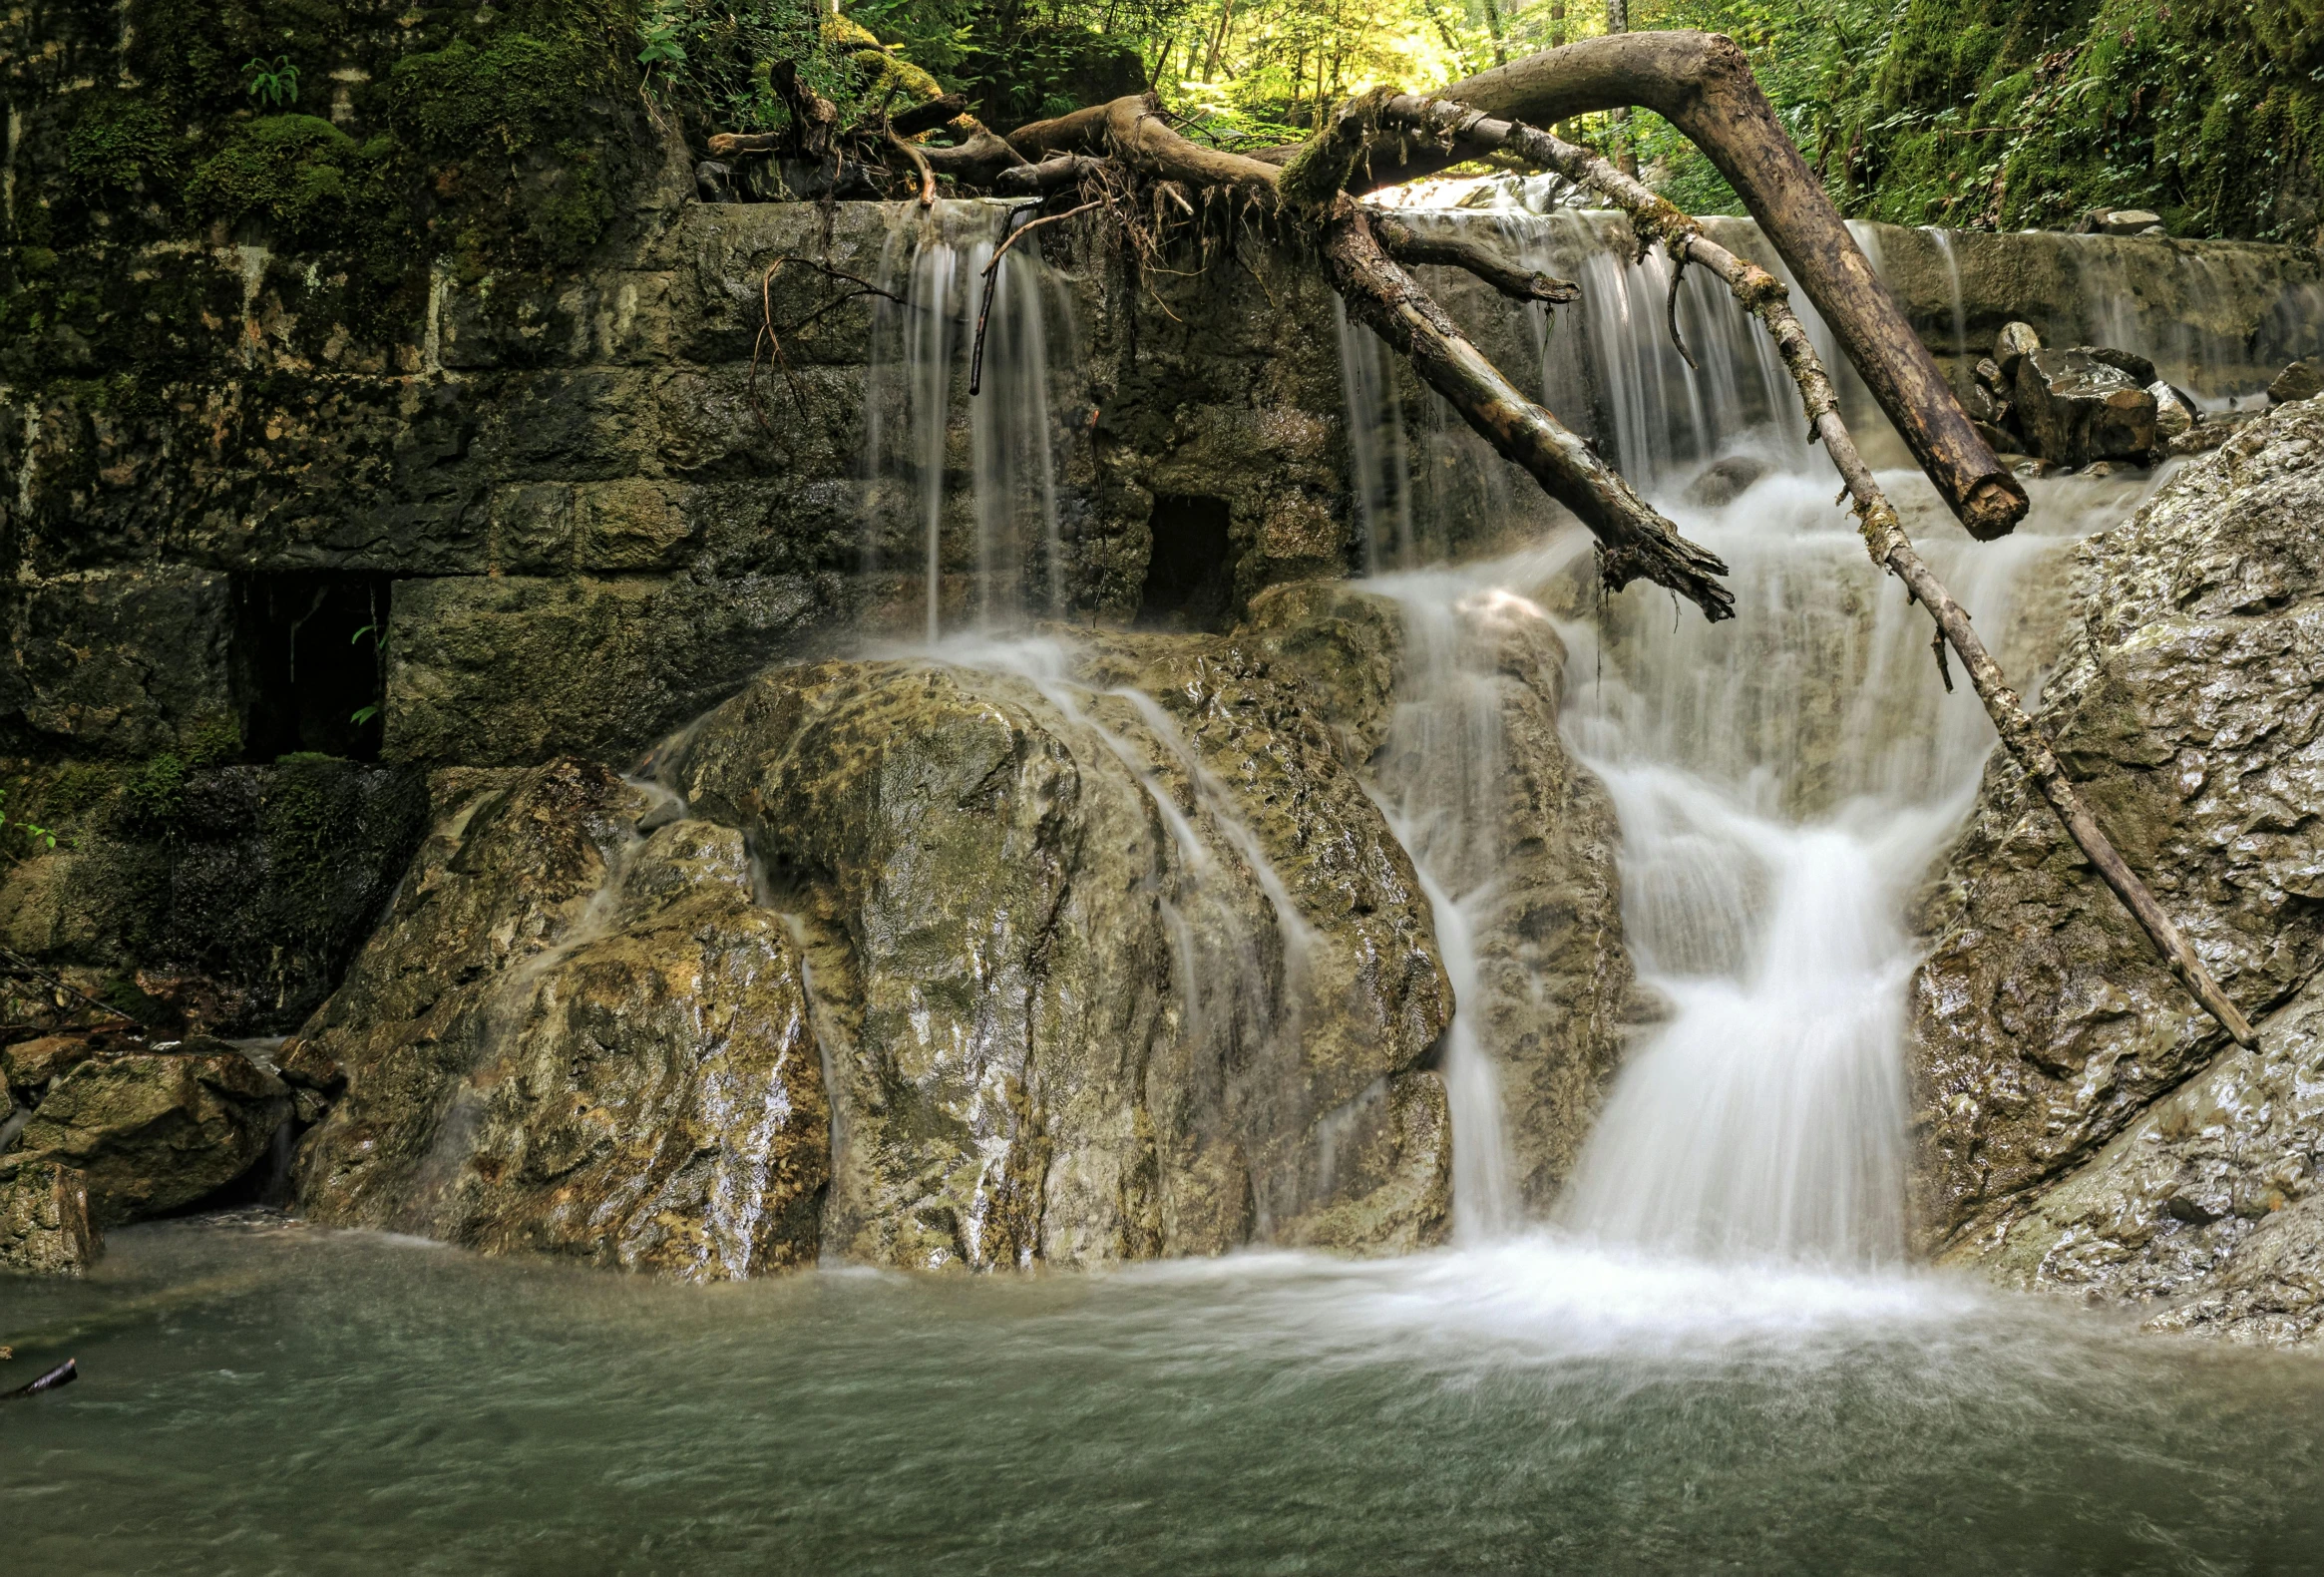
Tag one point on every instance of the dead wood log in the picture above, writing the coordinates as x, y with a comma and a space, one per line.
927, 116
1412, 247
1049, 175
1702, 84
1635, 541
981, 160
1764, 297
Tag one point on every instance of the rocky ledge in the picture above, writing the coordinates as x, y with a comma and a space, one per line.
2086, 1129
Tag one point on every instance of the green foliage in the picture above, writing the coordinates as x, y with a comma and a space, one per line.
710, 58
37, 836
299, 172
2015, 113
277, 84
119, 143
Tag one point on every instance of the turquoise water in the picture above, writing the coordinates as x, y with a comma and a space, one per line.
265, 1397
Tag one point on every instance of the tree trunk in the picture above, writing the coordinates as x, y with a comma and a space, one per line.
1702, 84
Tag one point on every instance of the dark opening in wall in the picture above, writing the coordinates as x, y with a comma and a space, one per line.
1189, 582
308, 662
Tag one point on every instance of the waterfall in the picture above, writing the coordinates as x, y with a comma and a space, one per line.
918, 397
1781, 781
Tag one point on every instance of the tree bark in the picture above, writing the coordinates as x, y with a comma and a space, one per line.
1412, 248
980, 160
1635, 543
1702, 84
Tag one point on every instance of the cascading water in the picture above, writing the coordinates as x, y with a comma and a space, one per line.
1781, 781
1007, 521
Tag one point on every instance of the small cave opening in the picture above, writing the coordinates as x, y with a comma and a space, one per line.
310, 662
1189, 578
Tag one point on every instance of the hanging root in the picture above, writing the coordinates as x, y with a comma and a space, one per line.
1015, 234
1670, 312
1764, 297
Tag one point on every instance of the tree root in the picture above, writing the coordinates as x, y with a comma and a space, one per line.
1636, 542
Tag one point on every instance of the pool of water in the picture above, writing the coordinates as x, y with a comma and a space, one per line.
261, 1396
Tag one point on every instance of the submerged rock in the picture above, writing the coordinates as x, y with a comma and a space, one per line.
2189, 705
568, 1039
1723, 481
45, 1227
150, 1131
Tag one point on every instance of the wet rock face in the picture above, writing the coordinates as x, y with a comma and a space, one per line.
1537, 868
237, 894
2189, 704
1099, 977
568, 1039
2206, 1205
44, 1229
150, 1131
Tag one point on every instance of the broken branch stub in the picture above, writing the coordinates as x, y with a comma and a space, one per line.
1765, 298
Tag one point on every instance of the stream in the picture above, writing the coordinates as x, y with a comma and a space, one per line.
1712, 1355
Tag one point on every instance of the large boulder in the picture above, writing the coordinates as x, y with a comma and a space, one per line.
155, 1130
570, 1039
2075, 408
2206, 1204
1104, 973
2189, 705
45, 1228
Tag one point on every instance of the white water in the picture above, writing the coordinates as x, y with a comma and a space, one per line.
1000, 532
1782, 782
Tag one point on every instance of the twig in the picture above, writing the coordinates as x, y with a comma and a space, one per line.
24, 966
1764, 297
993, 282
769, 335
1671, 310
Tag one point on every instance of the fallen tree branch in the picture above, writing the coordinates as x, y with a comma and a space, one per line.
929, 115
1764, 297
1702, 84
62, 1374
1412, 248
1046, 178
1635, 541
980, 160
